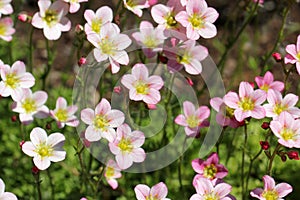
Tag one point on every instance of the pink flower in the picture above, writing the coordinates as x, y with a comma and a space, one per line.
267, 83
110, 44
287, 129
248, 103
44, 149
95, 21
102, 121
14, 79
259, 1
6, 195
209, 168
142, 86
206, 190
5, 7
225, 115
187, 55
271, 191
198, 19
111, 173
136, 6
127, 146
293, 55
74, 5
31, 105
51, 18
149, 38
276, 104
63, 114
6, 28
192, 119
157, 192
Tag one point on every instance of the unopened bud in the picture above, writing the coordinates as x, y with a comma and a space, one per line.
283, 158
117, 89
152, 2
277, 57
163, 59
293, 155
81, 61
14, 118
189, 81
86, 143
264, 145
21, 143
35, 170
151, 106
78, 28
265, 125
48, 126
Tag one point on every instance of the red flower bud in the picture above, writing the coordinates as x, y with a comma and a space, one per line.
48, 126
277, 56
21, 143
283, 158
265, 125
189, 81
264, 145
163, 59
81, 61
14, 118
35, 170
293, 155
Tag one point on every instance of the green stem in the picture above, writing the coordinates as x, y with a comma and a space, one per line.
51, 184
269, 172
49, 64
180, 163
243, 162
38, 185
220, 140
30, 49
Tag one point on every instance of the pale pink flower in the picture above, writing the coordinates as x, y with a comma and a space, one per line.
193, 119
287, 129
276, 104
111, 173
247, 103
63, 114
51, 18
156, 192
209, 168
198, 19
74, 5
259, 1
152, 2
164, 15
102, 121
187, 55
206, 190
95, 20
143, 87
293, 55
127, 146
225, 115
5, 7
31, 105
6, 28
110, 44
267, 83
14, 79
44, 149
136, 6
183, 2
271, 191
6, 195
149, 38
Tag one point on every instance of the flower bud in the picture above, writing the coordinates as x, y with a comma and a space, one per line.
81, 61
35, 170
264, 145
21, 143
14, 118
78, 28
163, 59
189, 81
265, 125
151, 106
283, 158
48, 126
277, 57
293, 155
117, 89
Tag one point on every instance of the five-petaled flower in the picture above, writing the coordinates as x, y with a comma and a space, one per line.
136, 6
14, 79
267, 83
247, 103
127, 146
111, 173
293, 56
44, 149
142, 86
51, 18
6, 28
271, 191
193, 119
156, 192
102, 121
63, 114
6, 195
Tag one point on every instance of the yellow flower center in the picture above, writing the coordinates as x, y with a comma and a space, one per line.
131, 3
229, 112
74, 1
265, 87
279, 109
210, 171
192, 121
2, 29
125, 145
270, 195
171, 22
298, 56
141, 87
196, 21
211, 196
184, 59
109, 171
152, 197
96, 25
106, 47
29, 105
62, 115
246, 104
12, 80
150, 42
44, 150
101, 122
50, 17
287, 134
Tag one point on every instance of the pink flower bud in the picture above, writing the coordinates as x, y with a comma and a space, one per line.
86, 143
190, 81
21, 143
152, 2
293, 155
23, 17
81, 61
117, 89
78, 28
151, 106
265, 125
264, 145
277, 56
